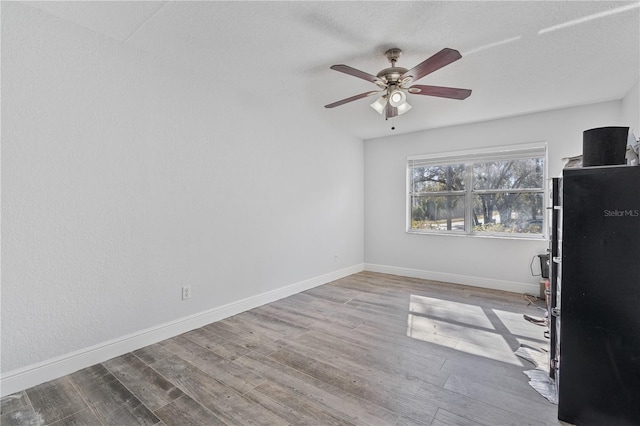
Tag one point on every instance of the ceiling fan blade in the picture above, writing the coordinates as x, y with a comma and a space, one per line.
442, 92
351, 99
434, 63
357, 73
391, 111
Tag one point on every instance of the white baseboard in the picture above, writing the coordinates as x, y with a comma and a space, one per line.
512, 286
32, 375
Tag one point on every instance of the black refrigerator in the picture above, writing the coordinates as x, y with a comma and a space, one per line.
598, 296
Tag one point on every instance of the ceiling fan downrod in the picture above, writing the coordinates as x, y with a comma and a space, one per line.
392, 74
392, 55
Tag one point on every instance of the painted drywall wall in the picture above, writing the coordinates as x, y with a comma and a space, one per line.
489, 262
631, 109
125, 178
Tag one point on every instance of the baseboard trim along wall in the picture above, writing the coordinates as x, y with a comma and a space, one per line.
512, 286
26, 377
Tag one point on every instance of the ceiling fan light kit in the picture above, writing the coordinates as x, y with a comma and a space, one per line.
397, 97
394, 82
380, 104
404, 107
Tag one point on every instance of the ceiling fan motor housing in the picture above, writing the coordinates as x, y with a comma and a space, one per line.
391, 74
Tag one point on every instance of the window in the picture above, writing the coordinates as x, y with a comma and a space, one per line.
499, 191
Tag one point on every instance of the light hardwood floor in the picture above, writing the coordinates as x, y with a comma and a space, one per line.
368, 349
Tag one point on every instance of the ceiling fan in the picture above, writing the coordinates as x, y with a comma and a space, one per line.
394, 82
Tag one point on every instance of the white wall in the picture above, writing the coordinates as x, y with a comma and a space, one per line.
631, 109
489, 262
124, 179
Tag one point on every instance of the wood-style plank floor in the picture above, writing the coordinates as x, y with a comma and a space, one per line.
368, 349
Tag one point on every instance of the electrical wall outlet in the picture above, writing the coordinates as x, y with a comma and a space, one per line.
186, 292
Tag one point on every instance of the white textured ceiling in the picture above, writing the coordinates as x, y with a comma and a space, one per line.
266, 49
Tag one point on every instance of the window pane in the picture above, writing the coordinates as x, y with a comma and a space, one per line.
519, 213
438, 178
511, 174
437, 213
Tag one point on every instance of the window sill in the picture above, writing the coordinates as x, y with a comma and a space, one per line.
521, 237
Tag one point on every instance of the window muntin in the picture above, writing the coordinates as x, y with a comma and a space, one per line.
497, 192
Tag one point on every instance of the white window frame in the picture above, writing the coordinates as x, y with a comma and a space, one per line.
469, 157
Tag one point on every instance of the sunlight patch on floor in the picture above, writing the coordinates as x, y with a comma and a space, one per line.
467, 328
513, 321
449, 311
